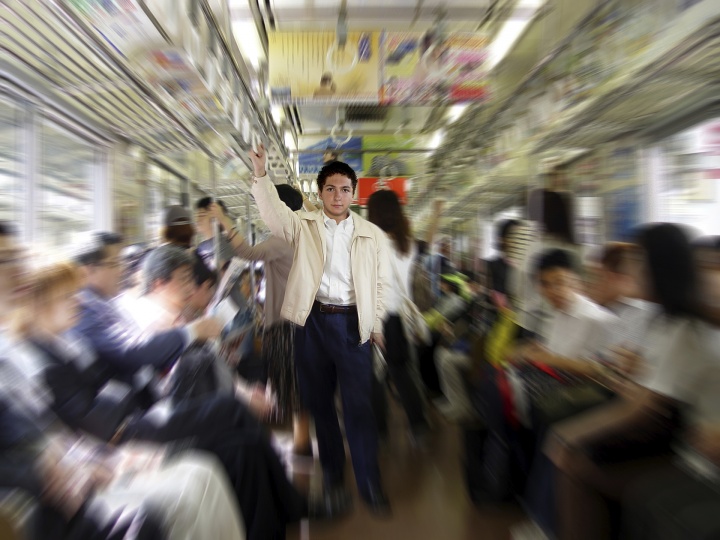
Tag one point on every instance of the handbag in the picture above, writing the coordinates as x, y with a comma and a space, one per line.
414, 325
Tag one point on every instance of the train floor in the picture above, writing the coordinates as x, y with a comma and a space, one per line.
425, 487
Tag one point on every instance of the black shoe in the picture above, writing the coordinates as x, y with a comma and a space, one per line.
334, 503
376, 501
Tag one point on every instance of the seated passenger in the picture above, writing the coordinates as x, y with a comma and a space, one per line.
453, 362
82, 397
205, 284
577, 327
600, 453
80, 497
116, 340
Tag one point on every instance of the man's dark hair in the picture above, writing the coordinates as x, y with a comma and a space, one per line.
290, 196
205, 202
160, 264
94, 253
554, 259
336, 167
202, 274
7, 228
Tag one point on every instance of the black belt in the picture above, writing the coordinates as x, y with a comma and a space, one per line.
333, 310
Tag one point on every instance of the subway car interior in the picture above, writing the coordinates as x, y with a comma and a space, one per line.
352, 269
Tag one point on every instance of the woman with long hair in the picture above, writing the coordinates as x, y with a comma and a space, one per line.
385, 211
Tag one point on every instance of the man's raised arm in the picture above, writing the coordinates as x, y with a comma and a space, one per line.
281, 221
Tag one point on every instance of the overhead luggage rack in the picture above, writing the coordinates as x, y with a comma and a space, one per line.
44, 38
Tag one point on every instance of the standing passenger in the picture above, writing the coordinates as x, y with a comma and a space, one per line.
278, 336
335, 295
384, 210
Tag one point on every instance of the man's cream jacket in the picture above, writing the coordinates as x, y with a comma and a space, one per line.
305, 231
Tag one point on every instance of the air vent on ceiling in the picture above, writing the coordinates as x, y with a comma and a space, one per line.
366, 113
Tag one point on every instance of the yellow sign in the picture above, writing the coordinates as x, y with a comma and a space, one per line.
314, 67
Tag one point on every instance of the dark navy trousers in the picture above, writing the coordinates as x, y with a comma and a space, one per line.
328, 353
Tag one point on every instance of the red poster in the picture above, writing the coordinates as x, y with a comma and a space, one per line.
368, 186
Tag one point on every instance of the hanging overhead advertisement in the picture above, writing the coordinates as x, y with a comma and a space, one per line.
312, 66
320, 151
422, 68
383, 163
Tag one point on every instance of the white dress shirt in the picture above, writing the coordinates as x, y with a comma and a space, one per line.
337, 286
400, 274
584, 329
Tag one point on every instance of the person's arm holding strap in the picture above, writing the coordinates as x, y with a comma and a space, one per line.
258, 252
281, 221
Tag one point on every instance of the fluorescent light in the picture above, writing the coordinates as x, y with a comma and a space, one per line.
512, 29
306, 186
248, 41
437, 139
456, 111
277, 114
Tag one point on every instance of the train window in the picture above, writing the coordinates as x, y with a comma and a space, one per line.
12, 193
688, 178
65, 197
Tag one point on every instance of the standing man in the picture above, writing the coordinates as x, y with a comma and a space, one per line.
335, 296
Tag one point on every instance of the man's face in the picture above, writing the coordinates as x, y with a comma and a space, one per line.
557, 286
203, 223
336, 195
106, 276
11, 274
179, 290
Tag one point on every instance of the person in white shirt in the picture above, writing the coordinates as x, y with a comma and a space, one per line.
550, 226
577, 327
336, 295
385, 211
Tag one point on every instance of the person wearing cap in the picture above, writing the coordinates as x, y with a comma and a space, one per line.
335, 296
178, 226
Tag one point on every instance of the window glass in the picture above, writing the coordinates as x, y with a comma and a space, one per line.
12, 192
65, 196
689, 178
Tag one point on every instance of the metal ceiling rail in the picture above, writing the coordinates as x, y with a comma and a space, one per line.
268, 128
461, 127
64, 76
42, 68
637, 85
103, 51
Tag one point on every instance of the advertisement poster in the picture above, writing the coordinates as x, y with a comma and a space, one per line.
171, 72
384, 164
312, 67
368, 186
123, 25
424, 69
623, 213
311, 163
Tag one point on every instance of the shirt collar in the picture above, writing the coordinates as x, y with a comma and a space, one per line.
330, 222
